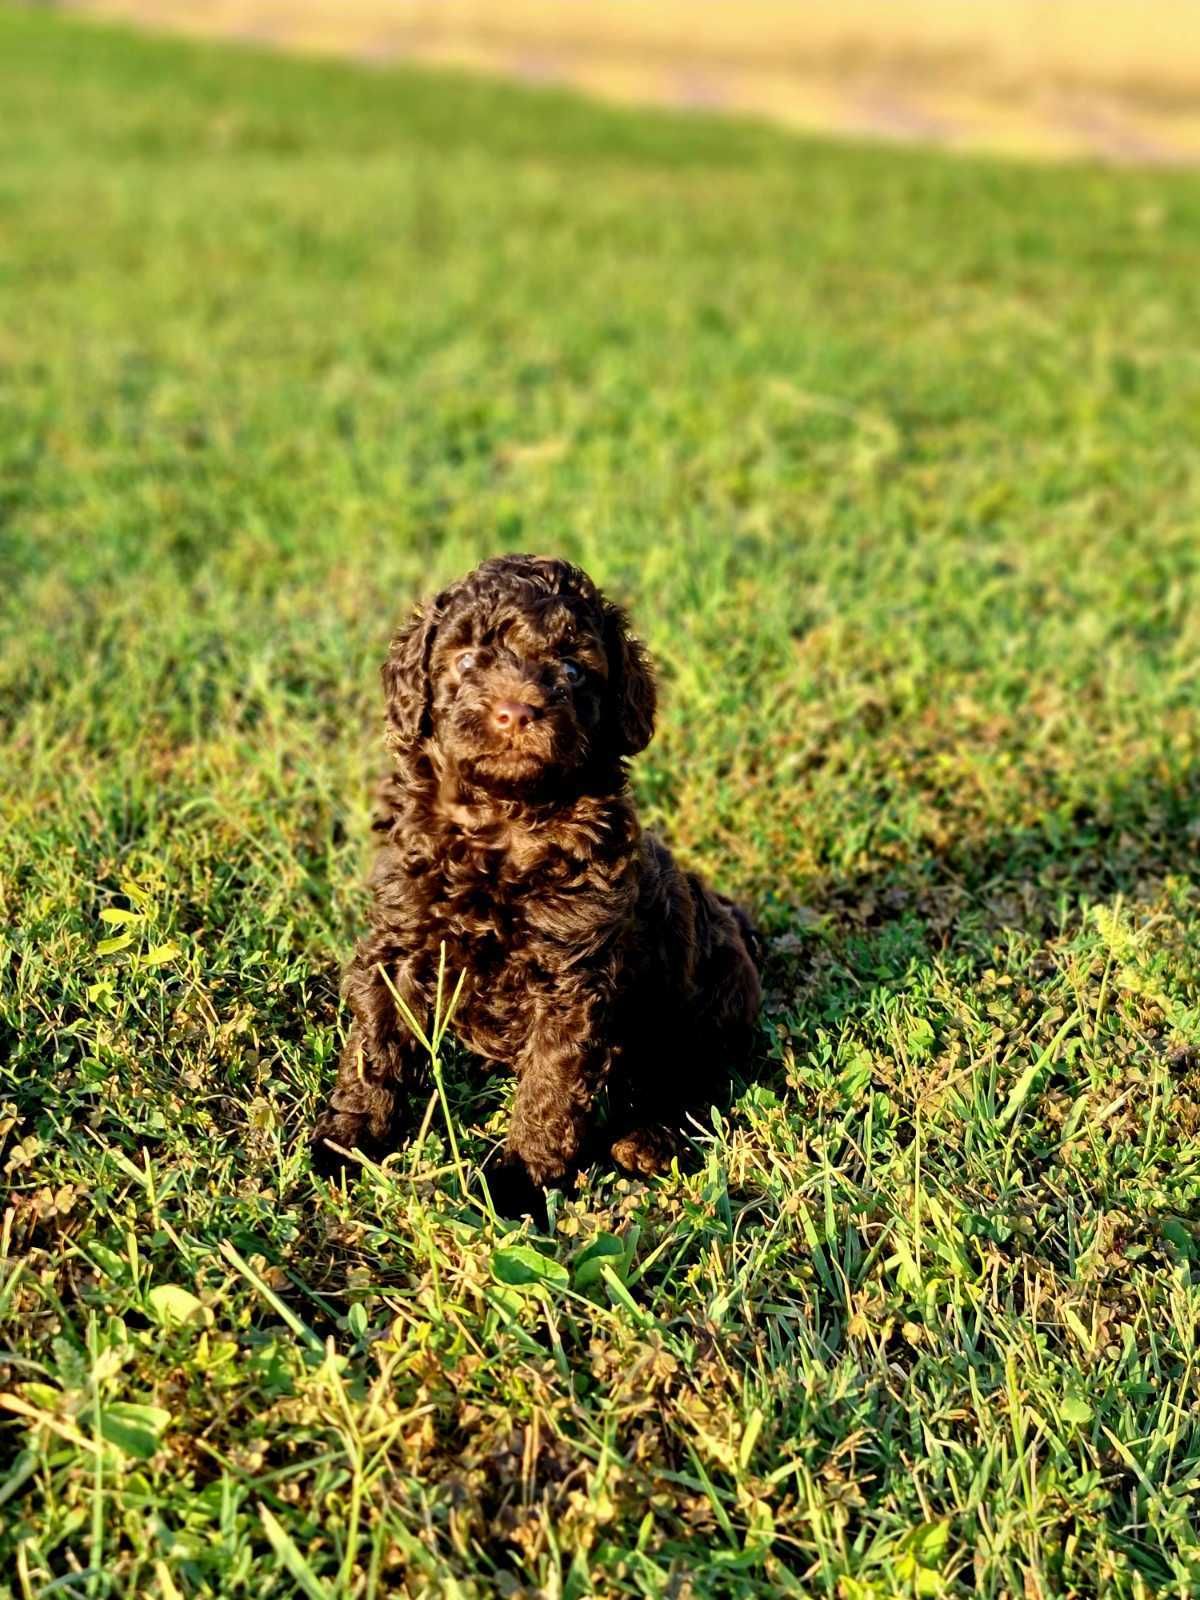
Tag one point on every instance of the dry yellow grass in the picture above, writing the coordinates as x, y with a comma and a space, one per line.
1060, 79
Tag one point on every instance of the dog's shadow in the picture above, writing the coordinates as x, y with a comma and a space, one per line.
857, 934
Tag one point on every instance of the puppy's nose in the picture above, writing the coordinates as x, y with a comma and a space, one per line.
512, 715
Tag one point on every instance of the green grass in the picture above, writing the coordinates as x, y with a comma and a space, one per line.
894, 458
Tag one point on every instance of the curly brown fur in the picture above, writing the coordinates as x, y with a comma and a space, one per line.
507, 832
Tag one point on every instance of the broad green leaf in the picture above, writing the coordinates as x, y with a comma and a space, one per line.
159, 954
1176, 1233
588, 1264
921, 1553
760, 1526
119, 941
109, 1261
511, 1301
759, 1099
1075, 1409
118, 915
134, 1429
172, 1306
856, 1589
43, 1395
921, 1039
521, 1264
927, 1542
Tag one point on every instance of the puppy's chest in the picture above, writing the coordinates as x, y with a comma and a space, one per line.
512, 917
501, 897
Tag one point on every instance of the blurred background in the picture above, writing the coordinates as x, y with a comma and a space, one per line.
1041, 77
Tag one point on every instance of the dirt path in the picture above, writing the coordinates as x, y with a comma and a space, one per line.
1070, 79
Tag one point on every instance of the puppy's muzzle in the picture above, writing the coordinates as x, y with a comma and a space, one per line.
512, 716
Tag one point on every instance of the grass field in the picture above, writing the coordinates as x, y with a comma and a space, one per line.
893, 456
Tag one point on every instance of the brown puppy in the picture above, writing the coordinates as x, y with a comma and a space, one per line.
507, 832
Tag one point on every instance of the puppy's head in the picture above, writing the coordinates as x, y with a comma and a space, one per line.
519, 676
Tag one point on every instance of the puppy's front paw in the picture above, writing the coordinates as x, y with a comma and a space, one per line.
645, 1151
346, 1130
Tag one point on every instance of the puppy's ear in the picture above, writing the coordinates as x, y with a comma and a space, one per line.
406, 680
631, 682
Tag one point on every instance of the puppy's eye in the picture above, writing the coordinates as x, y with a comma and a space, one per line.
466, 660
572, 671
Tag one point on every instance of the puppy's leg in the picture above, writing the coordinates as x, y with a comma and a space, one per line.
689, 1066
380, 1060
559, 1074
655, 1084
646, 1149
